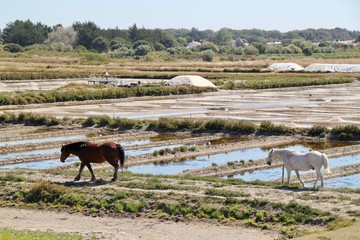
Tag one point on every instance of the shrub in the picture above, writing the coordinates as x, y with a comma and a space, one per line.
90, 121
142, 50
105, 120
141, 42
13, 47
44, 192
216, 124
348, 132
207, 55
269, 127
100, 44
317, 130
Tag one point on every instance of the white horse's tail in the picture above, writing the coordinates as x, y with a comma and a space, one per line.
326, 163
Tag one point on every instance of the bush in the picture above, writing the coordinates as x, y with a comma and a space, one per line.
142, 50
13, 47
90, 121
269, 127
100, 44
348, 132
44, 192
317, 131
207, 55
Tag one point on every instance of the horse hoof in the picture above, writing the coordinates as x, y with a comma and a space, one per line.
113, 179
93, 180
76, 179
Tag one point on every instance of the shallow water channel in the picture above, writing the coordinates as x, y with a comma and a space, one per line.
352, 181
45, 164
207, 161
42, 140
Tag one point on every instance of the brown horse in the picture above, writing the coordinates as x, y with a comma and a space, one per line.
95, 153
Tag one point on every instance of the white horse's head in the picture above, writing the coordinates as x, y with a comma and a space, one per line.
270, 157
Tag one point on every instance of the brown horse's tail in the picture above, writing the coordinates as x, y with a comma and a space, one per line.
121, 155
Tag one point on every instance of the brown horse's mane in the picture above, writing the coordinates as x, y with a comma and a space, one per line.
76, 146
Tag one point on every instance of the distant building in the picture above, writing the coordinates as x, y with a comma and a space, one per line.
193, 44
274, 43
346, 42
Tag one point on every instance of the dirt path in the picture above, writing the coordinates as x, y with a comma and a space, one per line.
124, 228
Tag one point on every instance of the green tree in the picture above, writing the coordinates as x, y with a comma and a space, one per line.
87, 32
223, 35
251, 50
294, 49
64, 36
194, 34
142, 50
25, 33
167, 40
100, 44
133, 33
261, 47
182, 41
120, 41
141, 42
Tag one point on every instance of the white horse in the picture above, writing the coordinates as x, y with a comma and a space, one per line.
298, 161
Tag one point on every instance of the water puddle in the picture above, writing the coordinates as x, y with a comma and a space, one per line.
352, 181
42, 140
278, 104
150, 115
42, 164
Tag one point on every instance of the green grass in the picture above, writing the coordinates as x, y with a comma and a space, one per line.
7, 234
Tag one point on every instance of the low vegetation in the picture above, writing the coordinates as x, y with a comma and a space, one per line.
228, 126
216, 204
81, 94
6, 234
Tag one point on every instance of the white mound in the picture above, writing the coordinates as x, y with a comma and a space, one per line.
192, 80
285, 67
336, 119
317, 67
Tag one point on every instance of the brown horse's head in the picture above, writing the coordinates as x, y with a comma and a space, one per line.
64, 153
72, 148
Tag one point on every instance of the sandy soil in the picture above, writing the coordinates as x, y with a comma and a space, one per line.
123, 228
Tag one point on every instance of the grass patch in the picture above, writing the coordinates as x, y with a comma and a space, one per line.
225, 193
7, 234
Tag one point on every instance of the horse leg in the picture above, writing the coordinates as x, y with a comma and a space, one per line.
288, 176
77, 178
298, 175
319, 174
91, 172
116, 168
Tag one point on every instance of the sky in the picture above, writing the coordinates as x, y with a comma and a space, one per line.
282, 15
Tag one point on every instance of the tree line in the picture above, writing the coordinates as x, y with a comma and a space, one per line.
140, 41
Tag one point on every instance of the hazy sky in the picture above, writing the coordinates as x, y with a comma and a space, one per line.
282, 15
